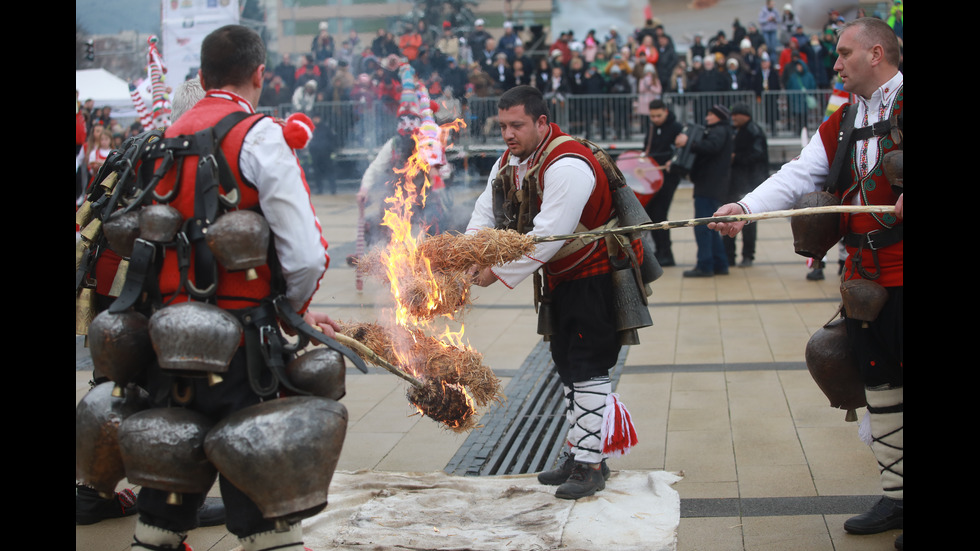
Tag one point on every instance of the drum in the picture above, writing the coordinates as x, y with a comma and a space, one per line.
643, 175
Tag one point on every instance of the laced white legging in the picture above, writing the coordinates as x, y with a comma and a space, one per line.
586, 404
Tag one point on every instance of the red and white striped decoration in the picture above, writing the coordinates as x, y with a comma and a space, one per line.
161, 98
146, 120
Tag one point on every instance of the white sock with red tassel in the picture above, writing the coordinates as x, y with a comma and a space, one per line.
618, 432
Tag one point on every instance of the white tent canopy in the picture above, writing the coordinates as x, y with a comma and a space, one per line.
108, 90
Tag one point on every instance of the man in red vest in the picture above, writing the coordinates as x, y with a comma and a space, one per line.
269, 180
868, 63
548, 184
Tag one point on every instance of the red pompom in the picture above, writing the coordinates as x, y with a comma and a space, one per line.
298, 129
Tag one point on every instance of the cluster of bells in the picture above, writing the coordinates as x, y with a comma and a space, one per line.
828, 354
266, 449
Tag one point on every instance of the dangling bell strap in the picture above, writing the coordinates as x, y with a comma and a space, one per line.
872, 241
140, 276
289, 316
263, 351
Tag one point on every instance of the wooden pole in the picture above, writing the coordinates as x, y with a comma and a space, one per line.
832, 209
374, 358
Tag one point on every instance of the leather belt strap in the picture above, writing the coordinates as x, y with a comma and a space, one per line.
878, 239
844, 140
879, 128
872, 241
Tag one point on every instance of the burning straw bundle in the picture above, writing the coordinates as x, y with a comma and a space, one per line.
435, 280
444, 378
488, 247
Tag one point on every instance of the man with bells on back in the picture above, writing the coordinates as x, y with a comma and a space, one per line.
855, 174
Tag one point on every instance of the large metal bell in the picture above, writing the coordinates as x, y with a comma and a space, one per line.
98, 415
120, 346
894, 165
863, 299
546, 320
815, 234
632, 311
833, 367
163, 448
195, 336
282, 453
320, 372
160, 223
121, 231
631, 213
239, 239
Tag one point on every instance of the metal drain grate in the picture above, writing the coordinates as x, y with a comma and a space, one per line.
526, 433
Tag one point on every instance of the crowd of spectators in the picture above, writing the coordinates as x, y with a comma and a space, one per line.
771, 51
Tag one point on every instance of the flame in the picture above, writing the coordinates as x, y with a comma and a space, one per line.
418, 292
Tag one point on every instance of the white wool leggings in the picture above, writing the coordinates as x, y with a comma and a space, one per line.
586, 404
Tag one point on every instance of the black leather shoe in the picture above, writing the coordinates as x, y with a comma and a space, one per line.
212, 513
899, 542
666, 261
886, 515
698, 273
90, 507
746, 263
815, 274
584, 481
563, 469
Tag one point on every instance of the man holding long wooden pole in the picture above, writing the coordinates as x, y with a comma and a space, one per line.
848, 158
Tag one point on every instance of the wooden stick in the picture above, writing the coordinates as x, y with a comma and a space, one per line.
731, 218
374, 358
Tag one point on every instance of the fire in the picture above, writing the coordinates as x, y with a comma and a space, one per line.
421, 294
404, 263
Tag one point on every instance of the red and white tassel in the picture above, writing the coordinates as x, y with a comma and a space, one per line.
618, 432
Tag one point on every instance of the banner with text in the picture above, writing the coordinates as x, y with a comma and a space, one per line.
183, 25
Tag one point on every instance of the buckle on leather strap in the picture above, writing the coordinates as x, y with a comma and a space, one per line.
876, 239
869, 240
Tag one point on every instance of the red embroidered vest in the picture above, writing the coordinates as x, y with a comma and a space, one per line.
872, 189
593, 259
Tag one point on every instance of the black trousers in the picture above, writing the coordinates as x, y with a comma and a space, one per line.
879, 347
657, 210
585, 343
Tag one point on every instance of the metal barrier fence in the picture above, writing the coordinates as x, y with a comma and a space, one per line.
601, 118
